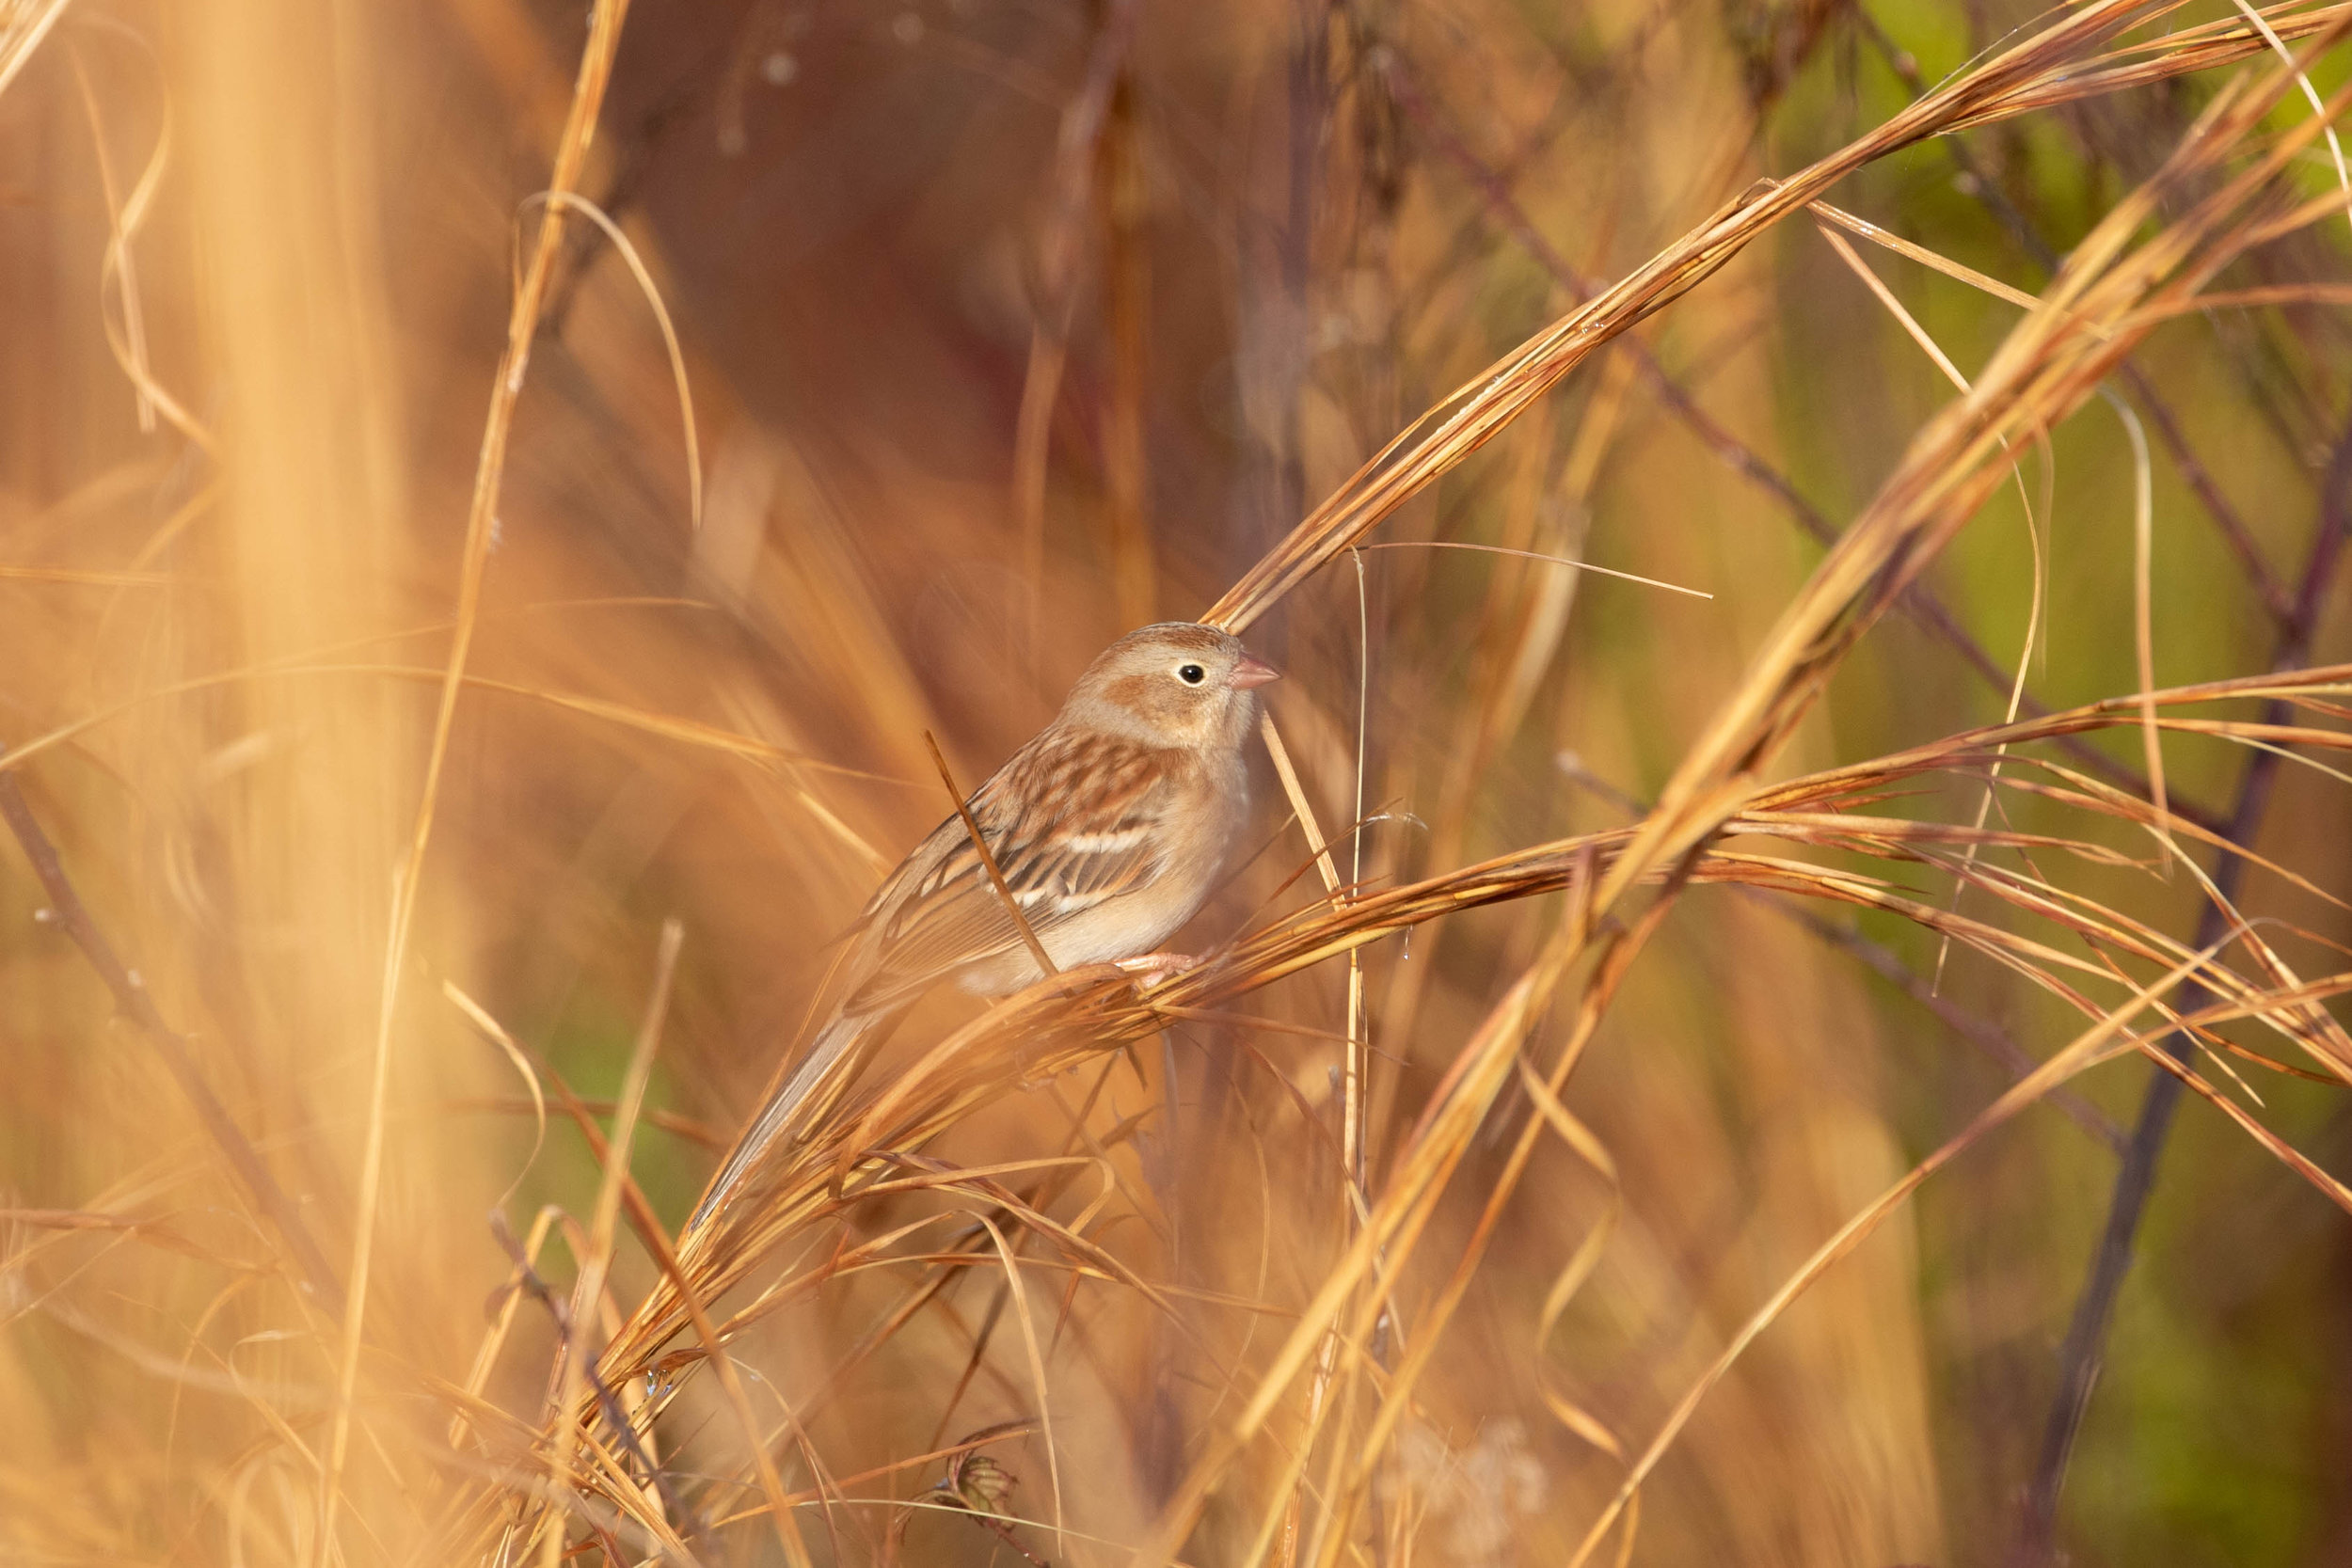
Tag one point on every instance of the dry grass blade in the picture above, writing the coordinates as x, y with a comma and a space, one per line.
589, 1289
2078, 1054
988, 860
2046, 68
21, 28
1922, 255
130, 995
595, 72
1424, 1219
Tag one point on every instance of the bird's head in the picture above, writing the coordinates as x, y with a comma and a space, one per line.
1175, 684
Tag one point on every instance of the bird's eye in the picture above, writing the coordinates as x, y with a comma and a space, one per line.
1191, 675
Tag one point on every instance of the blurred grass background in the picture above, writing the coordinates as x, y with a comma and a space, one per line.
1294, 228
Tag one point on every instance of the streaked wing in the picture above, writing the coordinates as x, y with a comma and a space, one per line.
1072, 820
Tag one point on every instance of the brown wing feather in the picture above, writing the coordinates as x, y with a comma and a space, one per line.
1072, 819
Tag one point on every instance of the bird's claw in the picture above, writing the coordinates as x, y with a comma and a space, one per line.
1152, 969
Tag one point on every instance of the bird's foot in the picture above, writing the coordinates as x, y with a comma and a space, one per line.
1151, 969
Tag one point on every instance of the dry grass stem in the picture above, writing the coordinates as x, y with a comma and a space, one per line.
1575, 1174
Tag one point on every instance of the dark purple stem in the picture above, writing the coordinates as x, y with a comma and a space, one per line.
133, 999
2080, 1357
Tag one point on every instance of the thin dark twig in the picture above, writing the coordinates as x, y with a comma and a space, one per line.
988, 860
528, 1282
2028, 236
2232, 528
656, 1241
1978, 1030
1080, 131
1060, 248
698, 1132
631, 157
2080, 1356
131, 998
2294, 617
1918, 601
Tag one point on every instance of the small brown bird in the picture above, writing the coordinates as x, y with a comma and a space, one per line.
1109, 827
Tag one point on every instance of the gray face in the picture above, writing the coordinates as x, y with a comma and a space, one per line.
1176, 682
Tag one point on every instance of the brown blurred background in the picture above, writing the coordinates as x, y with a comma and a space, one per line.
1291, 230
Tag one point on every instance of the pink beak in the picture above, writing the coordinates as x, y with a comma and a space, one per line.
1252, 671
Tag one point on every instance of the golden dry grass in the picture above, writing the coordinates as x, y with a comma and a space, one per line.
1661, 1071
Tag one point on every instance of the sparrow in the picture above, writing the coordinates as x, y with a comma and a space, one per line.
1110, 828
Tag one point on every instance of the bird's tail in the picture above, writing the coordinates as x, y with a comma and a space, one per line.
821, 1066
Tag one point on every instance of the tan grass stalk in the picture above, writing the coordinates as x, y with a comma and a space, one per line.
2037, 376
588, 1289
596, 72
2045, 69
2092, 315
25, 26
2078, 1054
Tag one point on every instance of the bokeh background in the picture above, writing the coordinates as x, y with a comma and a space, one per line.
1010, 325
